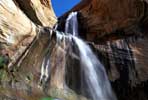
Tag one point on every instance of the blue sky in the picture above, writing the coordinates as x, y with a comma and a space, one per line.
61, 6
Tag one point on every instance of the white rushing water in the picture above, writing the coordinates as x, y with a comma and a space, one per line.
94, 72
71, 25
44, 70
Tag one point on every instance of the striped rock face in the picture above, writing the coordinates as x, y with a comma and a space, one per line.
105, 16
18, 21
98, 18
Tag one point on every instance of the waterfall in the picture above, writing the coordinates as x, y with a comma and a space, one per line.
94, 72
71, 25
94, 80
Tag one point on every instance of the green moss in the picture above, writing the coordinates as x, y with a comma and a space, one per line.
2, 62
3, 70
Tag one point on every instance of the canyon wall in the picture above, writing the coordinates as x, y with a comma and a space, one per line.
19, 22
117, 30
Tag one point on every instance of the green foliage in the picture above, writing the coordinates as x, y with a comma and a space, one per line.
3, 74
2, 62
3, 69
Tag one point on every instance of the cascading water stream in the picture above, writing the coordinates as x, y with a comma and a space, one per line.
92, 71
71, 25
45, 70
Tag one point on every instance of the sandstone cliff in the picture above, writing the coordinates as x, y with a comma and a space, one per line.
19, 22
